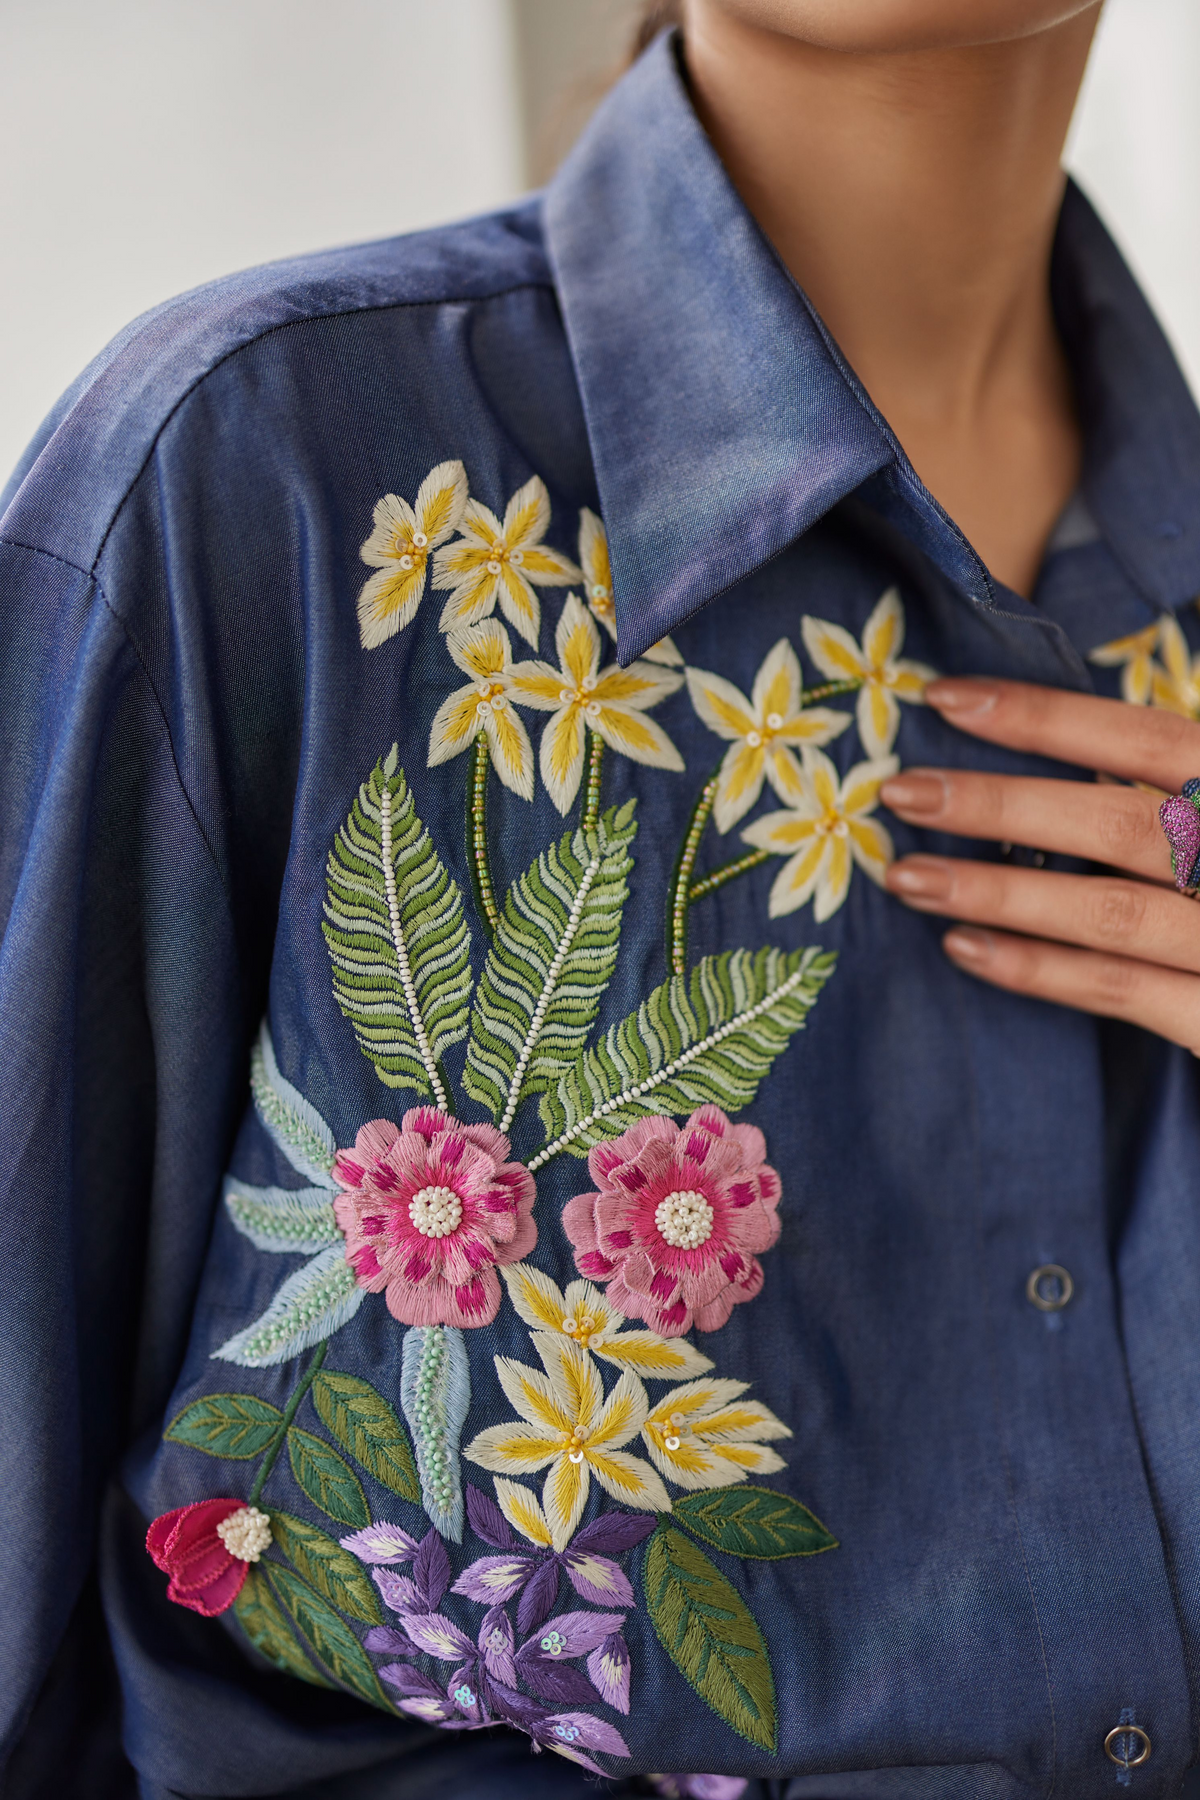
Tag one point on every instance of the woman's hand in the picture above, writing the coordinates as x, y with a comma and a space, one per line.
1125, 945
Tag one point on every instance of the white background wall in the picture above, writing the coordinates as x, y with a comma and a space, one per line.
147, 145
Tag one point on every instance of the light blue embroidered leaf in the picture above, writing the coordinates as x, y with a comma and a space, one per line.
312, 1304
296, 1126
283, 1220
552, 956
396, 936
710, 1036
435, 1392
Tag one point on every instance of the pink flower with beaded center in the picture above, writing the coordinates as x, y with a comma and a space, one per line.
679, 1216
428, 1209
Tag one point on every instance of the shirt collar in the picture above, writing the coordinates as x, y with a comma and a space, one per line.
723, 419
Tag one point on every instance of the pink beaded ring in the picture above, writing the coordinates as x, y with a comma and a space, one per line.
1180, 819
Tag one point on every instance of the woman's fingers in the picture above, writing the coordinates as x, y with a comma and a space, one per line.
1114, 825
1113, 987
1098, 912
1137, 743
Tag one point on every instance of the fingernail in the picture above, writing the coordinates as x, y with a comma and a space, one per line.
966, 944
962, 696
921, 877
916, 791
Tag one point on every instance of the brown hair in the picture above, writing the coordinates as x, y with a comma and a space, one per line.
656, 16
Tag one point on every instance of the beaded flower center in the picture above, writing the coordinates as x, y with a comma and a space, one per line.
435, 1211
411, 551
501, 554
584, 1329
684, 1219
491, 696
574, 1443
246, 1533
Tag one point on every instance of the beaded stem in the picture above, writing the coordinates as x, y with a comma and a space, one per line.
477, 847
679, 895
727, 872
290, 1411
829, 689
591, 793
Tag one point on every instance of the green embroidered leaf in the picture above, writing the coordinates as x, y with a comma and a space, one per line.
754, 1521
365, 1424
396, 936
554, 948
329, 1482
261, 1617
286, 1221
234, 1426
708, 1036
310, 1305
329, 1636
710, 1635
298, 1128
334, 1573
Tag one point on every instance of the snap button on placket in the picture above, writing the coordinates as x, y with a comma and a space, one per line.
1049, 1287
1128, 1746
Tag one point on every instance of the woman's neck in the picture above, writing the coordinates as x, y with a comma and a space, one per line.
914, 198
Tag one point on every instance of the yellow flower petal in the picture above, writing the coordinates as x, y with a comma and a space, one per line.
908, 681
833, 649
878, 713
512, 752
632, 734
629, 1479
534, 1395
883, 633
527, 514
871, 847
822, 778
441, 501
777, 685
523, 1510
833, 882
622, 1413
783, 773
455, 725
747, 1421
480, 526
817, 725
513, 1449
519, 604
640, 686
563, 1497
537, 1299
550, 568
663, 652
1136, 680
795, 883
749, 1459
459, 562
653, 1357
593, 552
860, 790
693, 1465
723, 707
573, 1379
471, 601
739, 783
480, 651
392, 534
560, 757
780, 832
1136, 647
577, 643
1174, 650
536, 684
387, 603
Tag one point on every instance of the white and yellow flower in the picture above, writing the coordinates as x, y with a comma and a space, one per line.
584, 1316
762, 731
598, 587
485, 654
582, 697
824, 834
494, 561
1134, 656
876, 663
567, 1427
399, 549
704, 1435
1175, 682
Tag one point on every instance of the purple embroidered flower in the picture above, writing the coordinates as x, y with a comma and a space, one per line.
699, 1787
544, 1660
489, 1659
380, 1543
572, 1733
608, 1667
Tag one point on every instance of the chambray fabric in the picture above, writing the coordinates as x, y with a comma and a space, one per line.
186, 715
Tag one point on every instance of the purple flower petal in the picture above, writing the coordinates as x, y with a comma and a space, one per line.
383, 1641
439, 1636
410, 1680
596, 1578
559, 1683
590, 1732
487, 1521
539, 1597
497, 1645
495, 1577
380, 1543
431, 1569
398, 1591
506, 1703
575, 1633
614, 1532
462, 1690
609, 1669
433, 1708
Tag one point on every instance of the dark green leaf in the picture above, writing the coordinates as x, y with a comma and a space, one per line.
260, 1616
364, 1423
710, 1635
327, 1567
754, 1521
234, 1426
329, 1636
329, 1482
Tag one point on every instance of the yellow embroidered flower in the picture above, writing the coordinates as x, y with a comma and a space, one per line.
762, 730
1175, 683
583, 1315
824, 832
1134, 655
493, 561
597, 577
566, 1423
581, 696
399, 548
876, 663
705, 1436
485, 654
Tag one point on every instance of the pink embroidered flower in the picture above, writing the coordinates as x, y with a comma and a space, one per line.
681, 1211
428, 1209
206, 1549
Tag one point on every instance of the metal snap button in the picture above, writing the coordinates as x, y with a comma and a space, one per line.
1121, 1741
1049, 1288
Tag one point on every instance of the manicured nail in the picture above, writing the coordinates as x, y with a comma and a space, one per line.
962, 696
966, 944
916, 791
921, 878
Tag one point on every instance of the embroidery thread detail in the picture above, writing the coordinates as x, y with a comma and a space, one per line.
435, 1393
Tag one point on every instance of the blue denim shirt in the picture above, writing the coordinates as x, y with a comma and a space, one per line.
493, 1182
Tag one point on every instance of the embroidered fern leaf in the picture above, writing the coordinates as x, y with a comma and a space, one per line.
282, 1220
552, 956
710, 1036
312, 1304
326, 1634
298, 1128
396, 936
